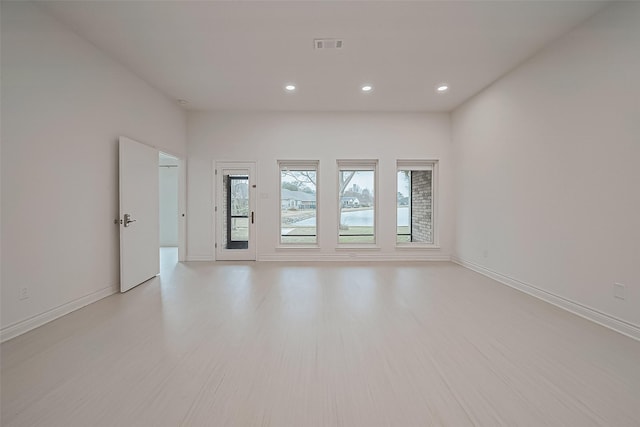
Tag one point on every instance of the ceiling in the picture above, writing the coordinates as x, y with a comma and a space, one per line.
238, 55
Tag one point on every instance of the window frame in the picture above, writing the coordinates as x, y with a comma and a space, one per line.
358, 165
299, 165
420, 165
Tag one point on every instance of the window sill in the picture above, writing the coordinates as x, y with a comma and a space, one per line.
414, 246
351, 247
297, 247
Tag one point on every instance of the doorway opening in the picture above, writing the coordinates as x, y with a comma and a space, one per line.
139, 188
170, 217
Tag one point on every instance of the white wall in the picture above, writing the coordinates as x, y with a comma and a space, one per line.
168, 201
64, 104
268, 137
547, 167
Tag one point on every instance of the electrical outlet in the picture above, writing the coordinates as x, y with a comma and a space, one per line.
24, 293
619, 291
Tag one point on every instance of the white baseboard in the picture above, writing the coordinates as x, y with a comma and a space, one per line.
344, 256
26, 325
199, 258
353, 256
603, 319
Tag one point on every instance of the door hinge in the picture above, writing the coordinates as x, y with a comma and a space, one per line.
216, 246
216, 171
215, 209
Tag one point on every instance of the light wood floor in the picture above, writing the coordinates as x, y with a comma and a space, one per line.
327, 344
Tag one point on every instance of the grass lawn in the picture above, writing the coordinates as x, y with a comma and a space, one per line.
403, 230
303, 235
357, 234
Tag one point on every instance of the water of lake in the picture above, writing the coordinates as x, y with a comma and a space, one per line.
360, 218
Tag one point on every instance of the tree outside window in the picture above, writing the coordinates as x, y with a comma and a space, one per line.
356, 202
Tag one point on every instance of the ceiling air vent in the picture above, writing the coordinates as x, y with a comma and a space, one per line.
327, 44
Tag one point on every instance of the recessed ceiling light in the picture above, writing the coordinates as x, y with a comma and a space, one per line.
290, 88
183, 101
367, 88
442, 88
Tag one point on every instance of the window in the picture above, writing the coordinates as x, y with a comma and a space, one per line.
298, 202
357, 201
415, 202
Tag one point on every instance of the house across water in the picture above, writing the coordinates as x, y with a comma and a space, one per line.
299, 200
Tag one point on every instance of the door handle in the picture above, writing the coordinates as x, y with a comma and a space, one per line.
252, 217
128, 220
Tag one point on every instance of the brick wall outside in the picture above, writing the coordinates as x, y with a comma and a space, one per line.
421, 207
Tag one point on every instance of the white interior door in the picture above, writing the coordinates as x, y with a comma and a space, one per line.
139, 213
235, 211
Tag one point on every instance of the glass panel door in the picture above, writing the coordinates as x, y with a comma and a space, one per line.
235, 211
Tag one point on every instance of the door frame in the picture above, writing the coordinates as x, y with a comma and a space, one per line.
182, 204
249, 254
